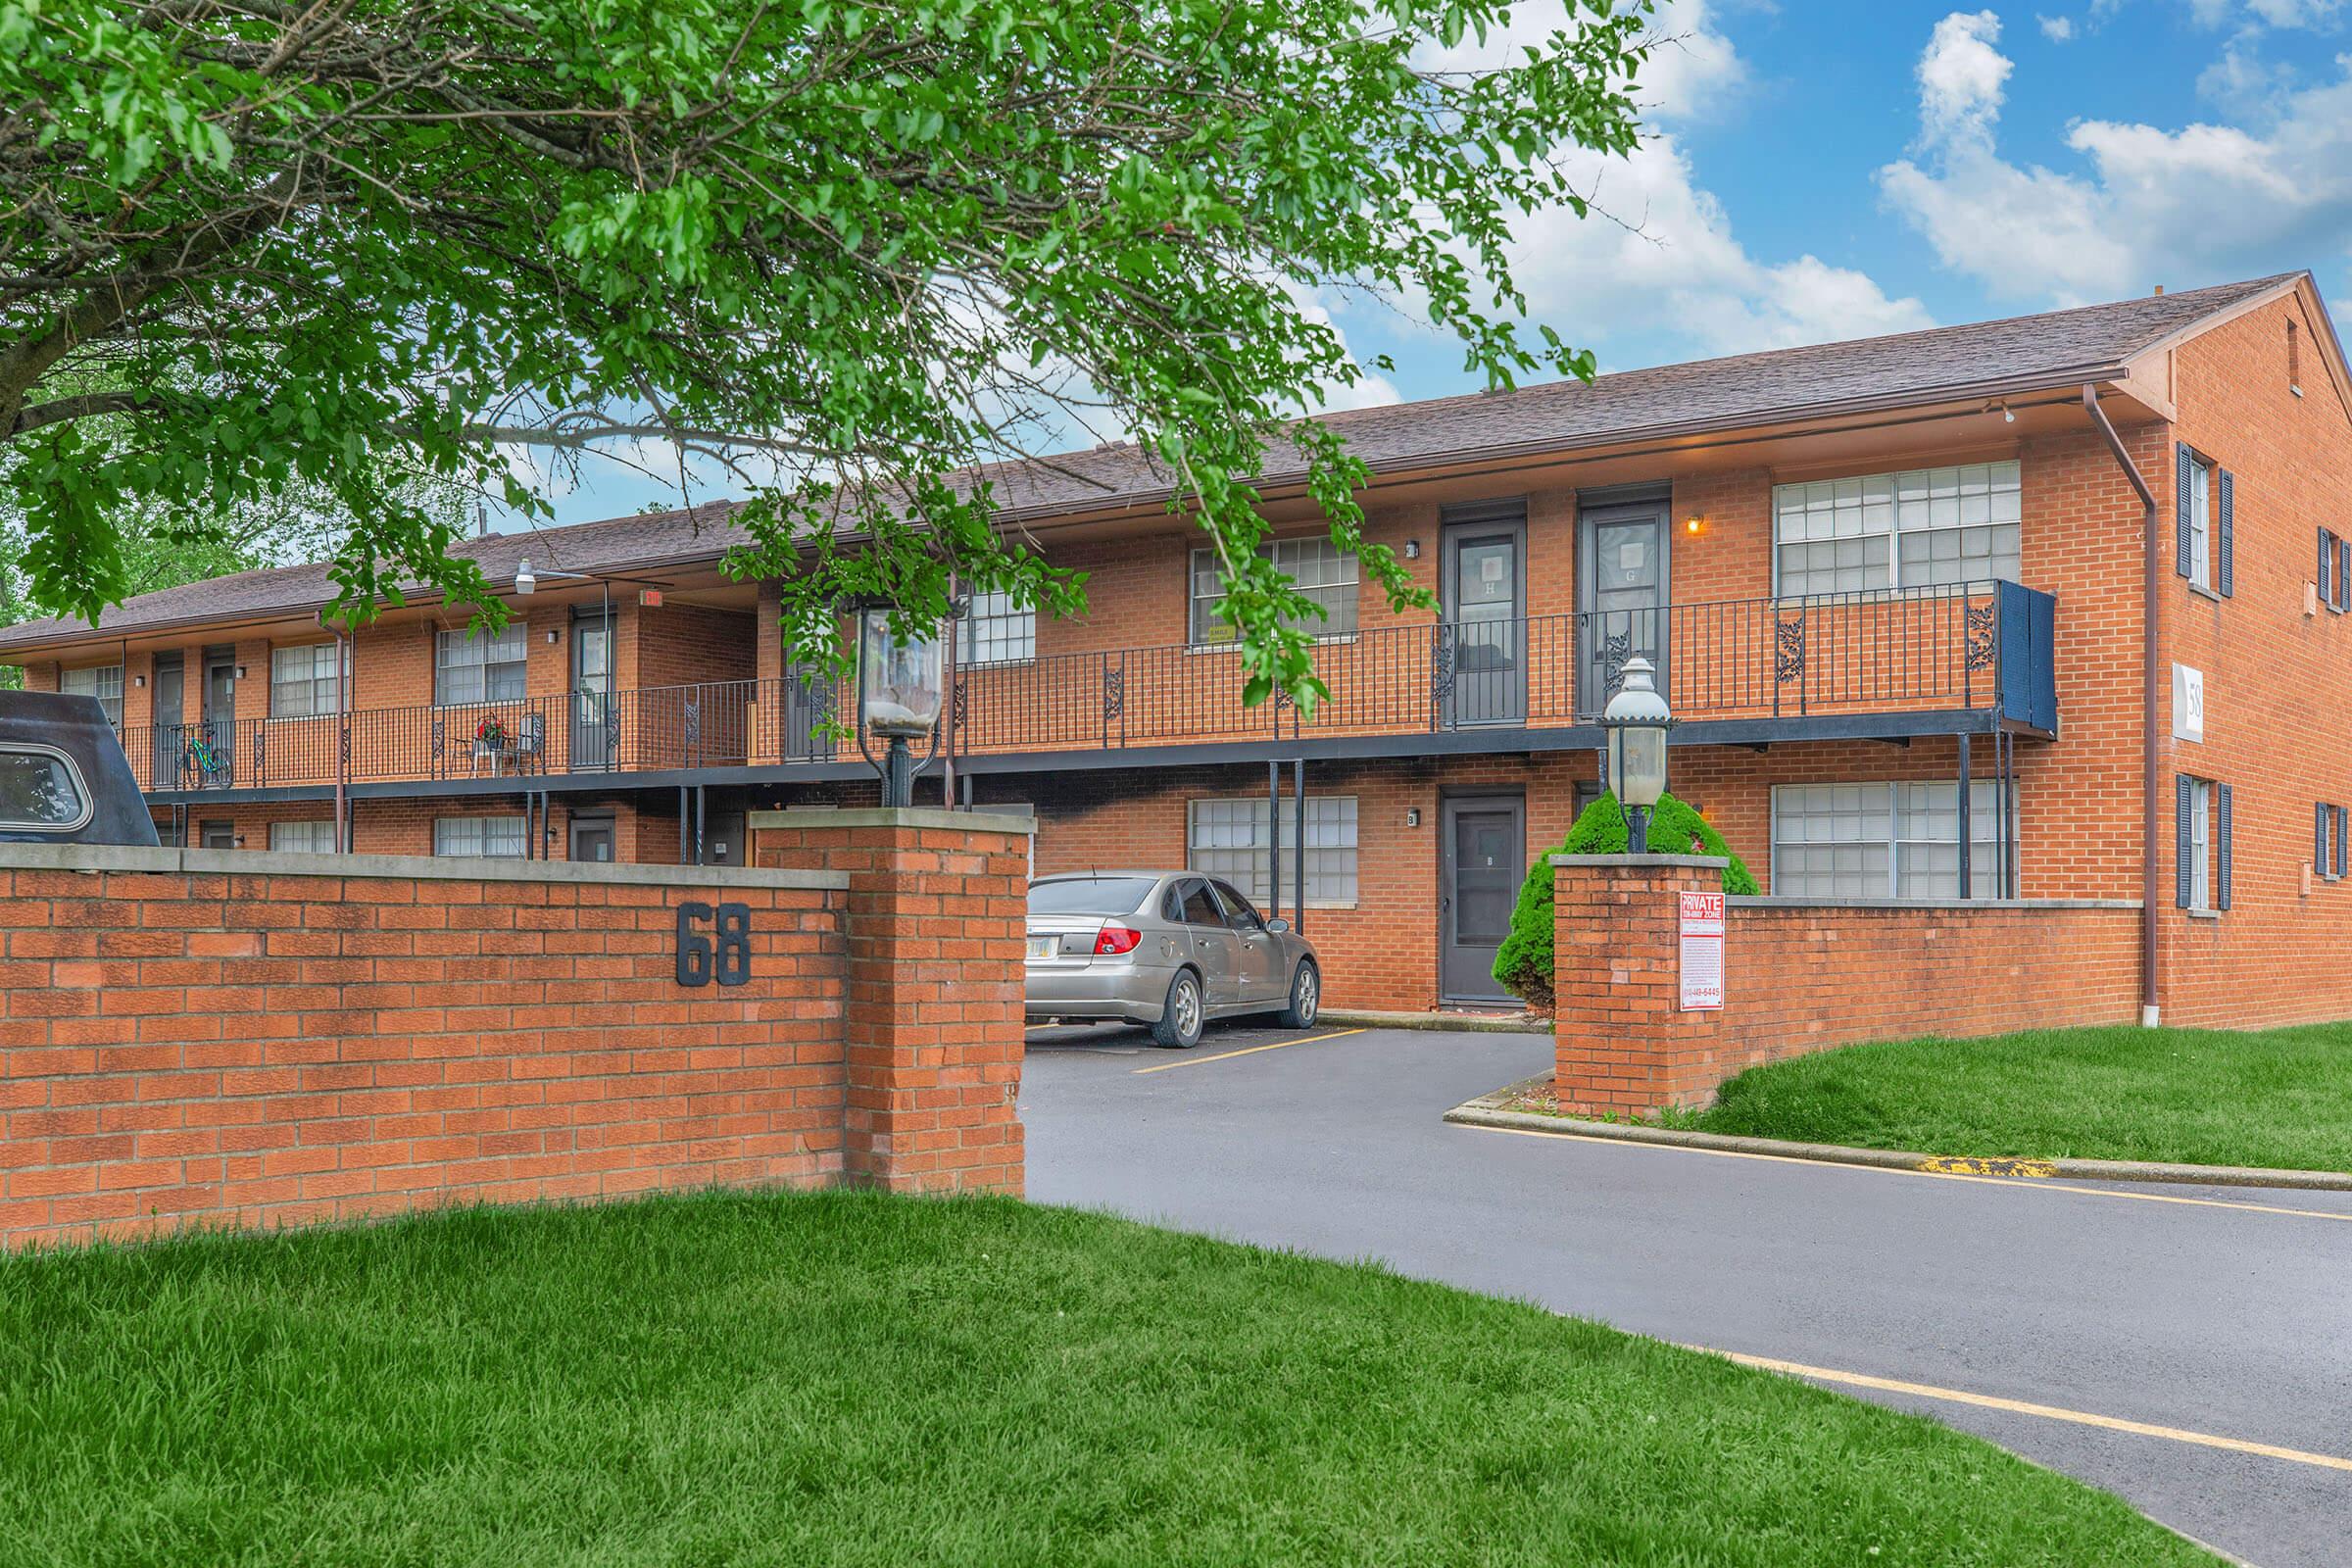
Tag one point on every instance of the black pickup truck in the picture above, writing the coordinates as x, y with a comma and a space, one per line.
63, 777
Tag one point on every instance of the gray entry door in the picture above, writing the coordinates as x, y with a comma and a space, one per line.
1624, 584
170, 720
592, 839
1487, 625
213, 766
1483, 846
592, 715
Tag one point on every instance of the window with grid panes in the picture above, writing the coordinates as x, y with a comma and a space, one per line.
994, 632
1227, 838
302, 680
1923, 528
303, 838
101, 681
1884, 840
1323, 573
497, 838
481, 667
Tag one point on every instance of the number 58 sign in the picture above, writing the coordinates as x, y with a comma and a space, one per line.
714, 944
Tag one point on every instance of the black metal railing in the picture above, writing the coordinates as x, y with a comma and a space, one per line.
1978, 647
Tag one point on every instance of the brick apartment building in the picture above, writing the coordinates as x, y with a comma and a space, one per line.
1922, 641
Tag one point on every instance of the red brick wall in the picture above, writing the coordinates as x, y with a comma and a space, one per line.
236, 1039
1803, 977
279, 1045
938, 907
2277, 721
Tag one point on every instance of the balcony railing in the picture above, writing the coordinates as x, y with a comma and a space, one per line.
1982, 648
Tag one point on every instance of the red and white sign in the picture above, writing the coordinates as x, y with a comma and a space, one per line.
1701, 952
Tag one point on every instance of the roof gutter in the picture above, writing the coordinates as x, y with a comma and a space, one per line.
2150, 582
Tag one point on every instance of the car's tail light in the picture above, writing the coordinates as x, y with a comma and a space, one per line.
1114, 939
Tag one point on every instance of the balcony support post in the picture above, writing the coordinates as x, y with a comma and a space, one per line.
1273, 837
1967, 884
1298, 845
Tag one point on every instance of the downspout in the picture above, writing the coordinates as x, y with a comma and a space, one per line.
2150, 581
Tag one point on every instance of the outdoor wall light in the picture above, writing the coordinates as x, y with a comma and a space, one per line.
899, 691
1637, 720
1412, 550
1413, 817
138, 680
1695, 523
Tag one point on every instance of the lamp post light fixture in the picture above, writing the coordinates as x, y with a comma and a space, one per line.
1637, 720
899, 696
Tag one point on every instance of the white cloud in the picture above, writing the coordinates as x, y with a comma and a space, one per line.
1659, 261
1961, 77
2194, 204
2058, 29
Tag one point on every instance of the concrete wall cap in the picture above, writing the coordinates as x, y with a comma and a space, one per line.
1644, 862
824, 817
1740, 900
95, 857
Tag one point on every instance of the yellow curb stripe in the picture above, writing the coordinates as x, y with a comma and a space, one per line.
1971, 1165
2047, 1412
1938, 1175
1245, 1051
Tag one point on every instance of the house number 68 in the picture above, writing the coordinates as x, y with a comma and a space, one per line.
725, 956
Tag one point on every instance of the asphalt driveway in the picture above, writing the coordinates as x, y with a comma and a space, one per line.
2219, 1318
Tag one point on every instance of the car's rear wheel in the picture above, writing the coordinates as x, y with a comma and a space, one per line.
1181, 1019
1306, 996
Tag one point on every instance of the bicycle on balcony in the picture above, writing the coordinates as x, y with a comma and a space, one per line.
203, 765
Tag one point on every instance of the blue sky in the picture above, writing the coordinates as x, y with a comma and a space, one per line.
1830, 168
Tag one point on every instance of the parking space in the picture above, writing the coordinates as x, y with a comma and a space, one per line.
1122, 1042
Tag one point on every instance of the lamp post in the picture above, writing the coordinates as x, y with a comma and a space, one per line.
899, 690
1637, 720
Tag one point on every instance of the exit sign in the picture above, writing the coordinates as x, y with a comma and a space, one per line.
650, 598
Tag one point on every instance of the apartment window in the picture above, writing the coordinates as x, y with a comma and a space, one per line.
2197, 512
496, 838
480, 666
1320, 570
993, 632
1228, 839
2201, 854
101, 681
2329, 856
1917, 528
2335, 575
302, 680
303, 838
217, 835
1884, 840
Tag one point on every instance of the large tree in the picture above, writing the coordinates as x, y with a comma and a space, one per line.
851, 249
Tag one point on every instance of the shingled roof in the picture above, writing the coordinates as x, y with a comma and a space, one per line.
1938, 364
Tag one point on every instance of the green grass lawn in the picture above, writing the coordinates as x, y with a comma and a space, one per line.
2280, 1099
849, 1379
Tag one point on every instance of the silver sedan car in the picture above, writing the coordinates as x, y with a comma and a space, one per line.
1169, 949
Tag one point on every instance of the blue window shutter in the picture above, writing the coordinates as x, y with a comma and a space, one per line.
2184, 797
2343, 820
2327, 571
2181, 514
2221, 846
2225, 573
2320, 816
2343, 575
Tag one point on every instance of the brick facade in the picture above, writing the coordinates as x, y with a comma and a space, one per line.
227, 1038
1803, 977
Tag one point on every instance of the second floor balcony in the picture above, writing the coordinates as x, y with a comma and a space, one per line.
1982, 652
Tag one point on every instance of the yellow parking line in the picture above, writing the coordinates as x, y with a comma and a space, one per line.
2036, 1185
1245, 1051
2047, 1412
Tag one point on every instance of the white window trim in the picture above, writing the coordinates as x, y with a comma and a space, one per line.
968, 628
115, 712
340, 678
517, 628
308, 829
1195, 643
521, 830
1894, 532
1288, 816
2200, 847
1895, 838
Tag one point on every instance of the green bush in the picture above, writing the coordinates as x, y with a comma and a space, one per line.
1523, 966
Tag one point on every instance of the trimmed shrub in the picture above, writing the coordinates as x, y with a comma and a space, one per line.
1523, 966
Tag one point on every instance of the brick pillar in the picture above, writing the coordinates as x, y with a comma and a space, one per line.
937, 910
1623, 1045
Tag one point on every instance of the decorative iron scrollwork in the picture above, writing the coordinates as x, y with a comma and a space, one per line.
1440, 668
1982, 636
440, 738
1115, 692
1788, 649
1615, 649
694, 726
960, 704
